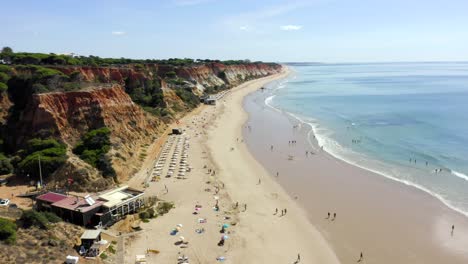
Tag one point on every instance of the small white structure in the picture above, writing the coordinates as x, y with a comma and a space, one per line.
140, 259
71, 259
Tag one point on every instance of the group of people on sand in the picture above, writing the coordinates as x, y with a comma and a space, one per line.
283, 212
329, 216
237, 206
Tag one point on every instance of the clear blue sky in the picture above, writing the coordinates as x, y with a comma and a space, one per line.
270, 30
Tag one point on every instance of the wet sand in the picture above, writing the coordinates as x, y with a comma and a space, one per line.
386, 220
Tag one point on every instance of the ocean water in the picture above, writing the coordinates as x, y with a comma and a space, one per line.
401, 120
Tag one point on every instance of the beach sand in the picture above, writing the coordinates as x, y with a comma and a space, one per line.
256, 235
388, 221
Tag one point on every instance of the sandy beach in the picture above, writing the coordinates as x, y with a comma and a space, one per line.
386, 220
225, 173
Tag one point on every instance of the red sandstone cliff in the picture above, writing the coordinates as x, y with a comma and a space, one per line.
69, 115
201, 76
72, 114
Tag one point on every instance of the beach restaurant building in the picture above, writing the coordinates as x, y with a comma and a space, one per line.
92, 210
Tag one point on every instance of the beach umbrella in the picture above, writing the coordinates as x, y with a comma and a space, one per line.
216, 197
182, 238
225, 237
226, 225
179, 225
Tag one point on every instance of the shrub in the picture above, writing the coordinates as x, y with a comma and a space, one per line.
151, 213
222, 75
5, 165
144, 215
171, 74
4, 77
51, 217
93, 148
7, 231
188, 97
112, 249
51, 152
34, 218
164, 207
5, 69
3, 87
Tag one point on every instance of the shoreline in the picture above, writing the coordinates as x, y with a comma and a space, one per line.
422, 208
256, 234
315, 146
318, 138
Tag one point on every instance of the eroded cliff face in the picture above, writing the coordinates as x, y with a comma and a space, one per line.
210, 75
105, 102
70, 115
200, 76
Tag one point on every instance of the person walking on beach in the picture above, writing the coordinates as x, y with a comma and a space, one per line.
276, 211
453, 228
245, 207
259, 181
334, 216
328, 216
361, 258
298, 258
165, 188
285, 211
271, 147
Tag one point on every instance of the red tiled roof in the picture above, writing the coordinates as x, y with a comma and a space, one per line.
51, 197
71, 203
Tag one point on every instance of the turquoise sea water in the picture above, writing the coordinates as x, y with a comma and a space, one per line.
379, 116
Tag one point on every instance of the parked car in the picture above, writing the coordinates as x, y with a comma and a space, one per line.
4, 202
3, 181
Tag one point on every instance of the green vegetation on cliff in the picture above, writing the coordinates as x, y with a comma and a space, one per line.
71, 59
5, 165
188, 97
38, 219
7, 231
5, 72
51, 153
93, 148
